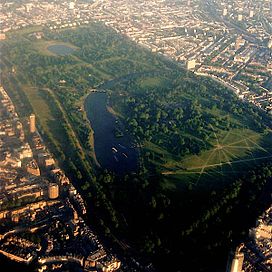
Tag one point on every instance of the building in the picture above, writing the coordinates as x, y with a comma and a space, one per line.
244, 56
2, 36
269, 44
49, 162
240, 17
251, 13
53, 191
23, 210
24, 151
94, 257
109, 264
239, 42
225, 12
33, 168
13, 162
190, 65
235, 261
28, 7
71, 5
46, 160
32, 123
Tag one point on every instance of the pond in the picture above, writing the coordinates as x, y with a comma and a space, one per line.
60, 49
114, 148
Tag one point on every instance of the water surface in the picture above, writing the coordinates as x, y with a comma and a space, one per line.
117, 154
60, 49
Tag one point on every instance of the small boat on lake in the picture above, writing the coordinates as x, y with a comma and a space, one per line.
116, 158
122, 146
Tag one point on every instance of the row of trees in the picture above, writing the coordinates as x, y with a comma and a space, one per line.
183, 116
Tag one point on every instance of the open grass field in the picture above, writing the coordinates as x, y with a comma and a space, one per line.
29, 99
42, 46
47, 115
233, 152
152, 82
227, 147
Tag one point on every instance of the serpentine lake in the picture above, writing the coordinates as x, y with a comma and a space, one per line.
114, 148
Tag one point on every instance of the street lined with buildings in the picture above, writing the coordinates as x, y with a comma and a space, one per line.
256, 253
41, 213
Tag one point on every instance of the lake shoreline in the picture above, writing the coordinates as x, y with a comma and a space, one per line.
116, 154
60, 49
91, 135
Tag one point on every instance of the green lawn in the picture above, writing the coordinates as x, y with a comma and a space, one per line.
42, 46
152, 82
47, 116
232, 151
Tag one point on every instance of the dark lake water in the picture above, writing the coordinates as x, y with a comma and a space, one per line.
61, 49
117, 154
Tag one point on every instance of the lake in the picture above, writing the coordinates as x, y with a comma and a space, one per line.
60, 49
114, 148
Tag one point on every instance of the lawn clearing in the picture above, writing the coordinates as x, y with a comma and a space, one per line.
231, 152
